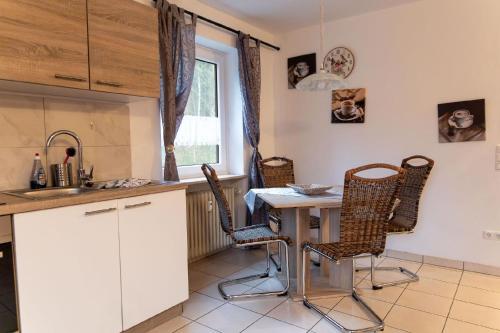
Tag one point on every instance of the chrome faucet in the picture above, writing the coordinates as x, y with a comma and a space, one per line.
82, 176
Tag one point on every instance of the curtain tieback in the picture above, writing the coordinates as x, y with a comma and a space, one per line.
170, 149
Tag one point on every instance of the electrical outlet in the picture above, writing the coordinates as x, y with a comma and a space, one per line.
210, 205
491, 235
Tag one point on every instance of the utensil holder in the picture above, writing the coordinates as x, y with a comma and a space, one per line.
62, 175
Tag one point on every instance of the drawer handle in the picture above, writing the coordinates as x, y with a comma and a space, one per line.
70, 78
109, 83
142, 204
100, 211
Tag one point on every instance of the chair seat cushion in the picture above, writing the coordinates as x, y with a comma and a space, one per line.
257, 233
336, 251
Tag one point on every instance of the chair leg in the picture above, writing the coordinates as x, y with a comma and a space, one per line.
263, 275
276, 262
379, 323
412, 277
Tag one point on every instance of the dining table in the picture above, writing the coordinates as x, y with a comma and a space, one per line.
295, 213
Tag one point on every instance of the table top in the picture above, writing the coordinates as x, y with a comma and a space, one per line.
288, 198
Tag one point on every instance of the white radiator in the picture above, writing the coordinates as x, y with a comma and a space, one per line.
205, 235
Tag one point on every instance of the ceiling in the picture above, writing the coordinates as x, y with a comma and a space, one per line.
285, 15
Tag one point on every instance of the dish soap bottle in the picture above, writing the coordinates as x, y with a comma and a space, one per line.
38, 176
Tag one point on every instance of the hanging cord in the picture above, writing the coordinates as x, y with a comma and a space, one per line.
322, 30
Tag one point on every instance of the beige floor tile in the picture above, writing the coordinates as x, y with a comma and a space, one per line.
440, 273
349, 306
434, 287
414, 321
389, 329
270, 284
195, 328
296, 313
244, 273
229, 319
387, 294
455, 326
478, 296
198, 305
350, 322
260, 305
388, 276
199, 280
327, 302
215, 267
483, 281
212, 290
266, 324
171, 325
425, 302
243, 258
412, 266
476, 314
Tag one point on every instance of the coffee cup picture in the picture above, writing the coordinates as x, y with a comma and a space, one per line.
299, 68
463, 118
348, 106
462, 121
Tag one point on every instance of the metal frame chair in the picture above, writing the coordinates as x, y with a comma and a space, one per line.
405, 216
366, 206
277, 172
248, 236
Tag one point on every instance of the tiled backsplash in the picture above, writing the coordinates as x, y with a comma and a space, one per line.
26, 122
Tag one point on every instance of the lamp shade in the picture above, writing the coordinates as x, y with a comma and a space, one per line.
321, 81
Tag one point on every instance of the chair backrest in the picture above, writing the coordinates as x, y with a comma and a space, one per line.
406, 213
226, 218
366, 207
277, 171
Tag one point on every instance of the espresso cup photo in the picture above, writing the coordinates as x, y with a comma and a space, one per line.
463, 118
347, 107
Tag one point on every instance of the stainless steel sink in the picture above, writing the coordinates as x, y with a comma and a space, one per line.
50, 192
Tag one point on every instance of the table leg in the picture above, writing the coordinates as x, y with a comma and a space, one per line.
295, 225
340, 273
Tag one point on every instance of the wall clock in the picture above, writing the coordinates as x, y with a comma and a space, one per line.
339, 61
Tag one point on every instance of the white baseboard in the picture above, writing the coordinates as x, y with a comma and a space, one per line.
444, 262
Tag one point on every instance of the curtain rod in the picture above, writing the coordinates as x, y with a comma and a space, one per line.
225, 27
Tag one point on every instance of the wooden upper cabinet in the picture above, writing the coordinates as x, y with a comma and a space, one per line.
123, 48
44, 41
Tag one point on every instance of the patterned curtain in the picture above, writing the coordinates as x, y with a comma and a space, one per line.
177, 56
249, 70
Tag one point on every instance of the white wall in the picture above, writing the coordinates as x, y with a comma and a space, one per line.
410, 58
145, 136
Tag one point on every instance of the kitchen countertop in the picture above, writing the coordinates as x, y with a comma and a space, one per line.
10, 204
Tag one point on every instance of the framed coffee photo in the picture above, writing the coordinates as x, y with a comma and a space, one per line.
462, 121
348, 106
299, 68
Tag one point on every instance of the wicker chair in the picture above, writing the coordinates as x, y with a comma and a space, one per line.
248, 236
277, 172
366, 206
405, 216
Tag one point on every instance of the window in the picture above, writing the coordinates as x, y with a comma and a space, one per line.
201, 136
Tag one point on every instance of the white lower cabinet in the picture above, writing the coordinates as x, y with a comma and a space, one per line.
101, 267
153, 250
68, 269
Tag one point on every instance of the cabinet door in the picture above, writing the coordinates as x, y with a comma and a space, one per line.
153, 249
44, 41
123, 46
68, 269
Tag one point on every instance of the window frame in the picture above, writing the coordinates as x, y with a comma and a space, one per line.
218, 58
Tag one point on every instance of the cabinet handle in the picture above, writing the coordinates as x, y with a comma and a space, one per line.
100, 211
142, 204
70, 78
109, 83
